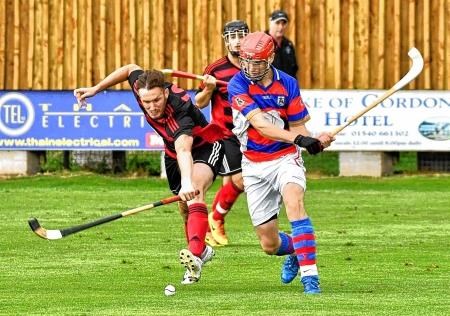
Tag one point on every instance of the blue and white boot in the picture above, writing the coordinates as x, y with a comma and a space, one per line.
289, 270
311, 284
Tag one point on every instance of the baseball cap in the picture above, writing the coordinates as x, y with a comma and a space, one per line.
279, 15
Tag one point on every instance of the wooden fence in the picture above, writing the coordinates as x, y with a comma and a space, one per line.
348, 44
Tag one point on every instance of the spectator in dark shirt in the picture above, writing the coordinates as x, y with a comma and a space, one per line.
285, 59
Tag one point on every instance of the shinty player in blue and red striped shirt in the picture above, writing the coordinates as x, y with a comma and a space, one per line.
193, 155
224, 69
269, 118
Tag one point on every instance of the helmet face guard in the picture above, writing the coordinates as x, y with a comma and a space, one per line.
254, 69
233, 40
233, 33
256, 55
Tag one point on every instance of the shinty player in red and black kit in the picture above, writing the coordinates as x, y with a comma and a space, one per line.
224, 69
191, 162
180, 117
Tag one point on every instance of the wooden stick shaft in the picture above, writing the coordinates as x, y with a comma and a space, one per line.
171, 199
110, 218
183, 74
363, 111
414, 71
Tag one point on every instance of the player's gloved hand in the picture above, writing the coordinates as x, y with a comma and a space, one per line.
312, 145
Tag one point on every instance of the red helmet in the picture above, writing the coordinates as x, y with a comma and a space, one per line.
258, 45
256, 55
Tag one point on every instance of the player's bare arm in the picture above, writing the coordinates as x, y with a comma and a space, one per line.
117, 76
203, 97
299, 129
183, 147
269, 130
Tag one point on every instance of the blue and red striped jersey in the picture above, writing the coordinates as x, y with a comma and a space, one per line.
280, 102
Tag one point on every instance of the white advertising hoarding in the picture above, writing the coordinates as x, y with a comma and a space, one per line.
406, 121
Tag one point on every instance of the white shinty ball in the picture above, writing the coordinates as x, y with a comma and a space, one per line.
169, 290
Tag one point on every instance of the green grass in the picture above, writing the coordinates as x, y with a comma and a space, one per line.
383, 249
148, 163
327, 163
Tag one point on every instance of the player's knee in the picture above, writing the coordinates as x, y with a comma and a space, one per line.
202, 186
292, 193
200, 197
293, 199
238, 182
294, 204
197, 199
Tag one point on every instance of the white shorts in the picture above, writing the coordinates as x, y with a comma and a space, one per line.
264, 182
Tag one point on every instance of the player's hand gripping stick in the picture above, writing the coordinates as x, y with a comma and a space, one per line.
312, 145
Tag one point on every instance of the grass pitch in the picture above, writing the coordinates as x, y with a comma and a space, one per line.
383, 249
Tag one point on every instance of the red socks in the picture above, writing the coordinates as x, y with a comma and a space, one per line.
224, 200
197, 225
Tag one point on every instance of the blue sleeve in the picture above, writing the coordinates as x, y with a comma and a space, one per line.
238, 95
296, 110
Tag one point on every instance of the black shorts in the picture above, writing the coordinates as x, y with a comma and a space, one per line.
210, 154
232, 158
